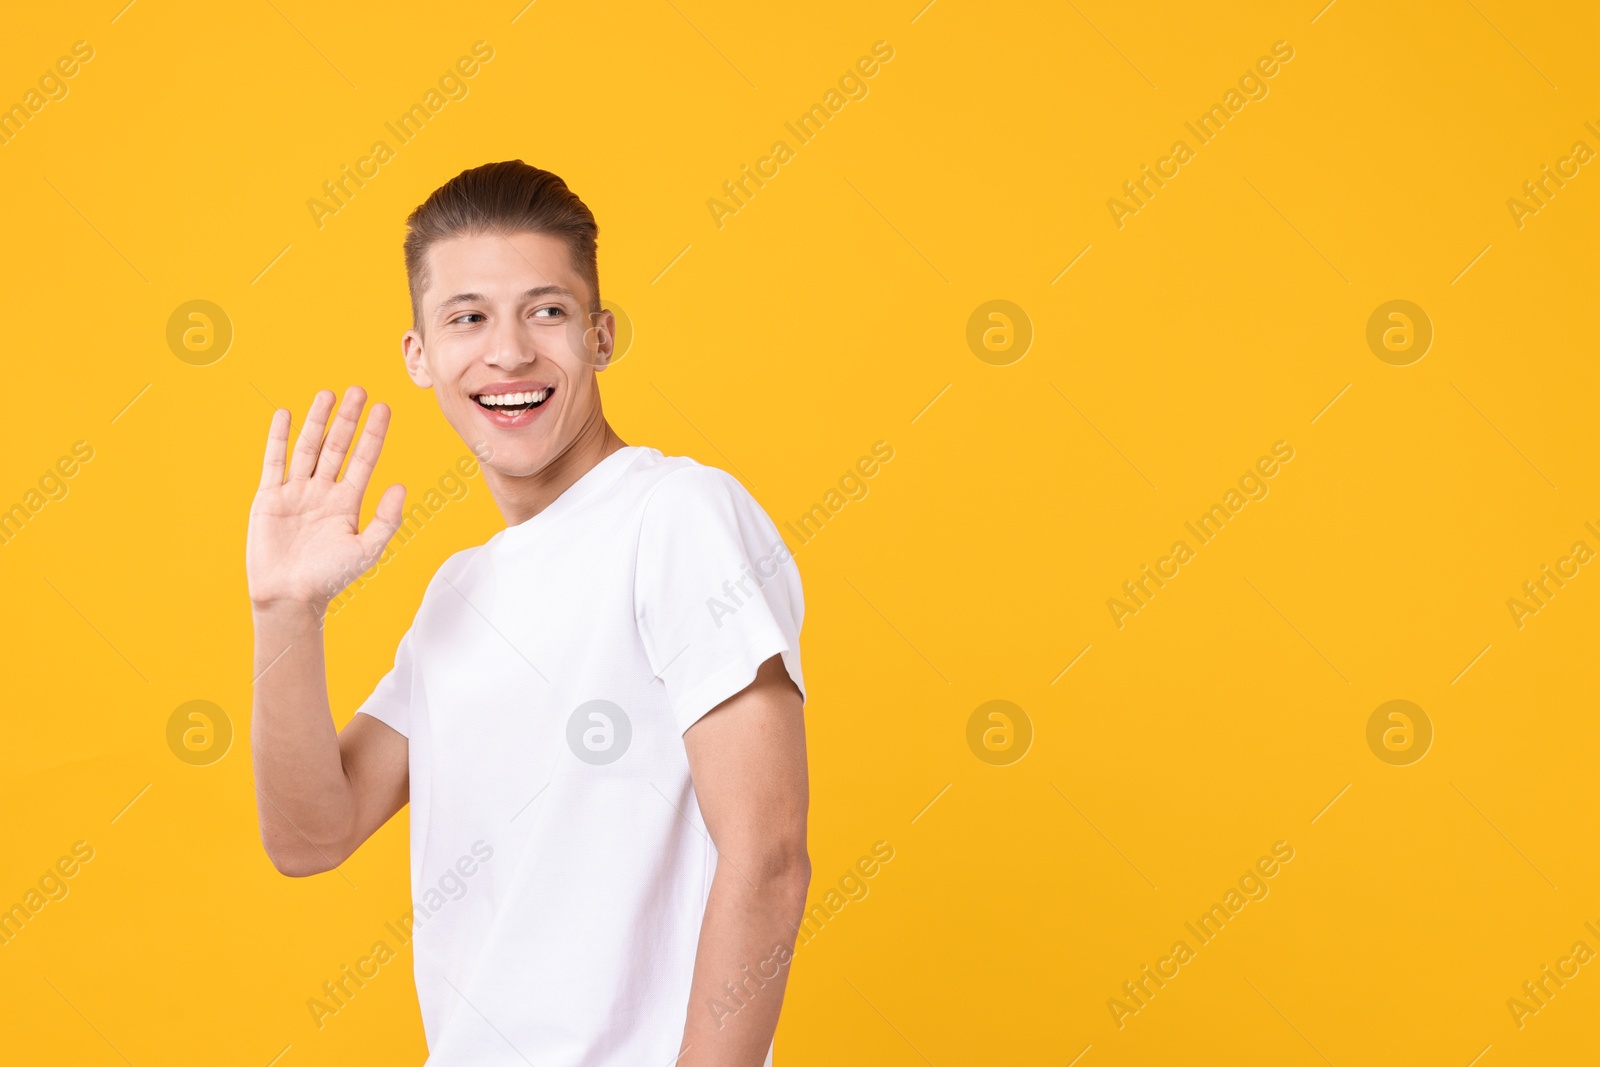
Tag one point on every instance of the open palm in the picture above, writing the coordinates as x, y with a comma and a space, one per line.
304, 546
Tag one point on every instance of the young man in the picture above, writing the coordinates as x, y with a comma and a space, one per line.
596, 716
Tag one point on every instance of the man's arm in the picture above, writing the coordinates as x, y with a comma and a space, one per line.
748, 760
319, 793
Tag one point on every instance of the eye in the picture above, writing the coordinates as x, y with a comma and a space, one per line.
475, 315
555, 310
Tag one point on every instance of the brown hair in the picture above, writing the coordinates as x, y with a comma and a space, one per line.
501, 198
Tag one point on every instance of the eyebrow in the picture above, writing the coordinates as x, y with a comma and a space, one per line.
531, 294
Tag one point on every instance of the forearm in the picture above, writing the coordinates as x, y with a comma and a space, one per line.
742, 964
303, 796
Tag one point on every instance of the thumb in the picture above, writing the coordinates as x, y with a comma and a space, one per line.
385, 521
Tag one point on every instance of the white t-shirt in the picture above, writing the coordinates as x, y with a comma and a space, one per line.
560, 866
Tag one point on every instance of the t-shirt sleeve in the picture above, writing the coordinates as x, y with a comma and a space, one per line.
390, 702
716, 591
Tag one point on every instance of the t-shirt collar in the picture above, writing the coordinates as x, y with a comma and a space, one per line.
590, 484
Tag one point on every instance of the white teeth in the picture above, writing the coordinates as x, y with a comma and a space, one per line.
514, 399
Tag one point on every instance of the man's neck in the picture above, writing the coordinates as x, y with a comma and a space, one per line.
520, 499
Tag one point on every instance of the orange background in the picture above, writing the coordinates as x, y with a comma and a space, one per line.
830, 312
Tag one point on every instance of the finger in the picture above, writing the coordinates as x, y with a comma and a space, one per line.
391, 508
341, 433
365, 456
309, 443
277, 445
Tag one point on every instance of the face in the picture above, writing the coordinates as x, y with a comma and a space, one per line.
509, 347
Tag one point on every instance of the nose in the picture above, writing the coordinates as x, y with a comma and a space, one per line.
509, 349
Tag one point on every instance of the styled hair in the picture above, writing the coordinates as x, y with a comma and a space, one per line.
501, 198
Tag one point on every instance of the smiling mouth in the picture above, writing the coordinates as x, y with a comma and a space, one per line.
513, 403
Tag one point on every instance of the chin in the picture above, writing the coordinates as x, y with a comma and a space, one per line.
516, 459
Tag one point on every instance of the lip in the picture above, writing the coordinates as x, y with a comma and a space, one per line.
499, 388
502, 420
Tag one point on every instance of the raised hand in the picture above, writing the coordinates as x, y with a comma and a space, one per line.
303, 545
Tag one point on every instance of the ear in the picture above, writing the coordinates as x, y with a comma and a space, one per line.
600, 339
411, 351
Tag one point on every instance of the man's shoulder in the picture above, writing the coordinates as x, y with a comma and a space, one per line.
683, 487
454, 569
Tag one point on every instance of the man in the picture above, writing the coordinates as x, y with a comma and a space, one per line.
596, 716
